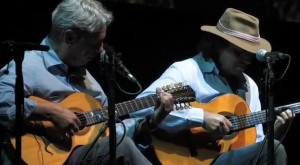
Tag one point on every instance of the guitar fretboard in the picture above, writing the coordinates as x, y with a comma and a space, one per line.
252, 119
134, 105
100, 115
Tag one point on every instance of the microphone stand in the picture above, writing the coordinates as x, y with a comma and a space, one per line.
270, 112
109, 69
110, 76
17, 51
18, 56
19, 101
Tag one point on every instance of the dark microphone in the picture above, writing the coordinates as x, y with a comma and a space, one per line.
108, 55
11, 46
263, 55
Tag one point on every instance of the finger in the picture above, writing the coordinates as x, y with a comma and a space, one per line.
170, 101
77, 120
71, 132
290, 113
221, 130
169, 106
76, 127
280, 120
227, 123
158, 91
73, 126
78, 123
284, 115
226, 129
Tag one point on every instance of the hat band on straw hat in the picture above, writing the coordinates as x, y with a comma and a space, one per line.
237, 33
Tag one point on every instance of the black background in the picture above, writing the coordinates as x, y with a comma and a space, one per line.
151, 38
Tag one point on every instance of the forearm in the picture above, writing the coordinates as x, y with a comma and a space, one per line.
45, 111
8, 107
151, 122
41, 112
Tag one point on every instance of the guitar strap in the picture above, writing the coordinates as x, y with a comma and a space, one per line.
190, 143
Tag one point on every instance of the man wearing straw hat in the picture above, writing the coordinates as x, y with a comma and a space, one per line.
225, 51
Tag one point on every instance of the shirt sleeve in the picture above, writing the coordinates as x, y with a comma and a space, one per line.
180, 119
7, 96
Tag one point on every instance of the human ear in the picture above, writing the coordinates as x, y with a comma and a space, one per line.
69, 36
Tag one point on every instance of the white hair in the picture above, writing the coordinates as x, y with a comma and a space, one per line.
87, 15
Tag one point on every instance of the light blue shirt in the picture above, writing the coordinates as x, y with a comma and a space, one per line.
46, 76
189, 73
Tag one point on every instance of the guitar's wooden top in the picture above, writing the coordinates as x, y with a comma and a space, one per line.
170, 152
45, 144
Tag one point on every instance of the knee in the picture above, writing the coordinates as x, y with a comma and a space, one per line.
279, 148
126, 143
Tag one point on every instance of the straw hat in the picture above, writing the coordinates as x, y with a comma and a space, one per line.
241, 29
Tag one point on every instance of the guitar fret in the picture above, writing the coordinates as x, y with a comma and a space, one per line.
121, 109
250, 120
118, 108
86, 115
131, 107
232, 119
97, 117
92, 117
140, 103
255, 119
246, 121
82, 118
126, 107
148, 103
242, 121
136, 104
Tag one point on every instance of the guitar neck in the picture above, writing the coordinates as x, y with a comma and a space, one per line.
127, 107
100, 115
181, 95
249, 120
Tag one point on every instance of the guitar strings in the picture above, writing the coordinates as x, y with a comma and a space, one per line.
249, 120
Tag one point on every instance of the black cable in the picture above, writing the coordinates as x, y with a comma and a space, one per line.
101, 132
261, 148
280, 141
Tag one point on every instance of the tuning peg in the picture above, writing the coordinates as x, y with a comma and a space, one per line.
167, 88
187, 105
178, 85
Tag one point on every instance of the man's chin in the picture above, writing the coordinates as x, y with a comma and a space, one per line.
81, 64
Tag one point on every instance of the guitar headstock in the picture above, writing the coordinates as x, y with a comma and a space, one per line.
182, 94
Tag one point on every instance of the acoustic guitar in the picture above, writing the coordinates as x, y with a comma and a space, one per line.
44, 144
199, 142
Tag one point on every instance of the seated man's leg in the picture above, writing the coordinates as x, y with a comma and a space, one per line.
126, 153
248, 155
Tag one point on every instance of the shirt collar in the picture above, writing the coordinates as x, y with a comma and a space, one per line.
51, 58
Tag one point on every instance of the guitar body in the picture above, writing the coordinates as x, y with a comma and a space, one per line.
43, 143
171, 153
34, 148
